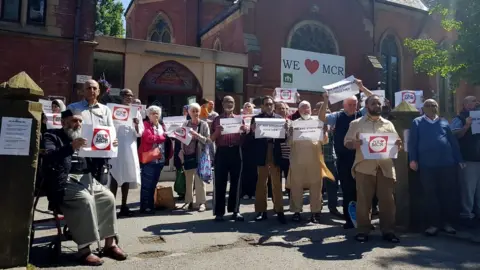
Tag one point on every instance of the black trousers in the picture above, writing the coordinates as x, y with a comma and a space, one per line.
228, 161
249, 171
331, 187
349, 187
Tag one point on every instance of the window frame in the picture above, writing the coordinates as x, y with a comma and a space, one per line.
2, 14
386, 61
29, 21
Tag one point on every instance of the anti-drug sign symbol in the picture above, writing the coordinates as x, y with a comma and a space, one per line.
285, 94
101, 139
181, 132
409, 97
121, 113
57, 120
377, 144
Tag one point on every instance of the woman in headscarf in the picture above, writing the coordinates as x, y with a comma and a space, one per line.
58, 106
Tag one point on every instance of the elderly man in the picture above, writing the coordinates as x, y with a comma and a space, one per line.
307, 169
125, 169
340, 121
470, 150
228, 162
373, 176
267, 155
89, 208
433, 151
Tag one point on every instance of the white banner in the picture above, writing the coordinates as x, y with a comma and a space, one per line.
287, 95
182, 134
310, 70
142, 109
414, 98
122, 115
231, 125
47, 105
174, 122
307, 130
54, 120
475, 115
379, 145
269, 128
247, 119
341, 90
380, 93
99, 142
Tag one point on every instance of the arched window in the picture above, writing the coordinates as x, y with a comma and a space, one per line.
217, 45
391, 66
160, 31
312, 36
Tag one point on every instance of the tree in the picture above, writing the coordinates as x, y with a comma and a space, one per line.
109, 18
461, 59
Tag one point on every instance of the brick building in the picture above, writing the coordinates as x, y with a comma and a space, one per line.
355, 29
40, 37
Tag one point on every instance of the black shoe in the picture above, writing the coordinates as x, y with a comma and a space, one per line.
281, 218
296, 217
237, 217
125, 212
315, 218
361, 237
335, 212
348, 226
219, 218
261, 216
390, 237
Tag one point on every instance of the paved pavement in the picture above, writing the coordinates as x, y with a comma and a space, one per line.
191, 240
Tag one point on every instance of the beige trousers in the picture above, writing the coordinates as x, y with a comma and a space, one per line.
315, 192
262, 190
191, 178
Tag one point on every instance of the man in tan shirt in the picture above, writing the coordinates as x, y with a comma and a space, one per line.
373, 176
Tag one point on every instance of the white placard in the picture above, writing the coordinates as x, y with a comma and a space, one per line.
341, 90
182, 134
83, 78
174, 122
414, 98
231, 125
54, 120
406, 134
287, 95
475, 115
99, 142
142, 109
380, 93
307, 130
269, 128
257, 111
379, 145
247, 119
122, 115
15, 136
47, 105
310, 70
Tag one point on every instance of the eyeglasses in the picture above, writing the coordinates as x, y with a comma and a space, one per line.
430, 106
129, 95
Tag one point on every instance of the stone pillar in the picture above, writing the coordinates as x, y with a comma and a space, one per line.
407, 188
18, 100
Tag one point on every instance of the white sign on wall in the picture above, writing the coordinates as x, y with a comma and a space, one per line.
310, 70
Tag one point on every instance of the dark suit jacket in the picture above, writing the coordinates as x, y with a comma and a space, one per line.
261, 145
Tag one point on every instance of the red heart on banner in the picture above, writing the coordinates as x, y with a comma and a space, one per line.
312, 65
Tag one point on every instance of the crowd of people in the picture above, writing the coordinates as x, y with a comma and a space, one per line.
77, 187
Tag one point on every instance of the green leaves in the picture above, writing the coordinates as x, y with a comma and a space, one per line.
109, 18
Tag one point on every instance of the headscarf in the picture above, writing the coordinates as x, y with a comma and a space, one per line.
60, 104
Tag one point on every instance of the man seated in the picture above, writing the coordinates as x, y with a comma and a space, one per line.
88, 207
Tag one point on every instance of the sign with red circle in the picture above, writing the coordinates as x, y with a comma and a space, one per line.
121, 113
101, 139
377, 144
410, 97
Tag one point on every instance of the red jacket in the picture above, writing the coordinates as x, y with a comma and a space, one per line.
149, 138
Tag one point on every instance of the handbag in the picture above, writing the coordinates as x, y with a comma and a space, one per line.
151, 155
190, 161
180, 186
204, 169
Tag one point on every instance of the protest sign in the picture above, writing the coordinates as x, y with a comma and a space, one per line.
99, 142
379, 145
287, 95
54, 120
380, 93
142, 109
174, 122
414, 98
231, 125
47, 105
122, 115
307, 130
247, 119
269, 128
475, 115
182, 134
341, 90
257, 111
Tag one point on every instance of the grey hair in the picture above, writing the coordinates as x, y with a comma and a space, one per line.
350, 98
304, 103
154, 109
193, 106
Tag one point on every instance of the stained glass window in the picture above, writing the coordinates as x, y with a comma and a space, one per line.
313, 37
161, 32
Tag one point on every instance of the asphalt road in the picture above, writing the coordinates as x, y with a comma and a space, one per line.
191, 240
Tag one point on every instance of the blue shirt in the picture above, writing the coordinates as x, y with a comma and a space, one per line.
432, 143
332, 117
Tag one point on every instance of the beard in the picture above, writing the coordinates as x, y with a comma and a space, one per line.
74, 133
375, 112
305, 116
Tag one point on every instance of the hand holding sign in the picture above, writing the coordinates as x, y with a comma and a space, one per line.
78, 143
379, 145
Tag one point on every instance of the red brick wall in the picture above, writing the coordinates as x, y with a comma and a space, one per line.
65, 18
231, 37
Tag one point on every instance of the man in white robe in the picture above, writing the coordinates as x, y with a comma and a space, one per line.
125, 169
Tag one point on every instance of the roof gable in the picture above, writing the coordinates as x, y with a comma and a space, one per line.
416, 4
